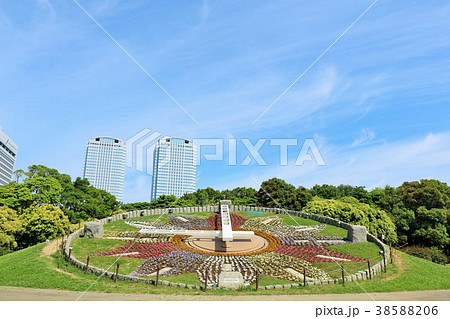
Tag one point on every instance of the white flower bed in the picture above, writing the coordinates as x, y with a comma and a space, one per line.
214, 266
275, 265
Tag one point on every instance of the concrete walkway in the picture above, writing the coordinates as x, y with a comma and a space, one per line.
27, 294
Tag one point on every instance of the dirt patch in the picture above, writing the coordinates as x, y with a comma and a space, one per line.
51, 248
65, 273
400, 263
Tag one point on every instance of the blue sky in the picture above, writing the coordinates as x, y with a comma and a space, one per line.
377, 104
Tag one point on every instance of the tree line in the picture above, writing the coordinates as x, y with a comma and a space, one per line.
44, 204
47, 204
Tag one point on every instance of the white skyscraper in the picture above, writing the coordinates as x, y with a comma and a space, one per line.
174, 167
104, 165
8, 153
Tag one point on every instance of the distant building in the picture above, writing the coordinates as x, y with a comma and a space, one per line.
174, 167
8, 153
104, 165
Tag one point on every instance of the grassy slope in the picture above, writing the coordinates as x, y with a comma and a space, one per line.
366, 250
85, 246
28, 268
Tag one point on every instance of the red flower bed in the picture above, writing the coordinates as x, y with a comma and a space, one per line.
146, 250
309, 253
216, 221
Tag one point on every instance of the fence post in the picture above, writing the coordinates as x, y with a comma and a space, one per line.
370, 271
117, 272
384, 261
257, 280
206, 280
304, 276
87, 264
343, 276
157, 275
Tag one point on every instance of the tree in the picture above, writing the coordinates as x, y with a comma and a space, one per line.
276, 192
385, 198
325, 191
45, 190
83, 201
429, 193
350, 210
15, 196
303, 196
403, 219
430, 227
9, 228
18, 174
164, 201
40, 223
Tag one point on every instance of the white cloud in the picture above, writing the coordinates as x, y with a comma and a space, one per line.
366, 136
374, 166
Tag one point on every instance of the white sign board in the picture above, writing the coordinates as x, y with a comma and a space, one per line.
231, 280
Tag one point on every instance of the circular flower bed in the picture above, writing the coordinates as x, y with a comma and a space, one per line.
290, 251
273, 242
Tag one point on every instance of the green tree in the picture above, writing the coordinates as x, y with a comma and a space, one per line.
276, 192
84, 200
164, 201
15, 196
42, 222
429, 193
303, 196
325, 191
350, 210
45, 190
403, 219
18, 174
9, 228
430, 228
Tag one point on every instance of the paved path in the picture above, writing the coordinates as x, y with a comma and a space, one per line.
27, 294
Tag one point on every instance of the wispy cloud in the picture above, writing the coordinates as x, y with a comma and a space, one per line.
374, 166
366, 135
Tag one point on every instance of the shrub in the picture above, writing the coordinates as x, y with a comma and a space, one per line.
432, 254
350, 210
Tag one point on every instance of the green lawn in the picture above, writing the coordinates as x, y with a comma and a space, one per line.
28, 268
365, 250
85, 246
121, 226
269, 281
328, 231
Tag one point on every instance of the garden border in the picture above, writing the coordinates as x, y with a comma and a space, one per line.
361, 275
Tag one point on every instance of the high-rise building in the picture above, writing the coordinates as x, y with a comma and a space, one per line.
104, 165
8, 153
174, 167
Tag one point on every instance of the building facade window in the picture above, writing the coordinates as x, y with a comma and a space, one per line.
104, 165
8, 154
174, 167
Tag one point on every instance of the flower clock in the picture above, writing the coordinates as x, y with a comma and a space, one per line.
275, 250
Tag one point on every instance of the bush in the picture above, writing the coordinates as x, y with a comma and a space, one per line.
432, 254
350, 210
